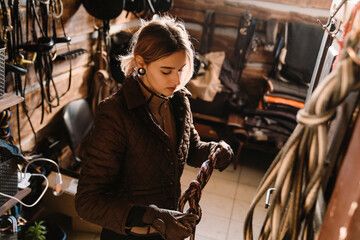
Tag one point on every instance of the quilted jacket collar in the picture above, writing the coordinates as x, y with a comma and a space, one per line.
134, 96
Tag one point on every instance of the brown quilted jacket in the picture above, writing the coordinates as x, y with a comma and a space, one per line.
128, 159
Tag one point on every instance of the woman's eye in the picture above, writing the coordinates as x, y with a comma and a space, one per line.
166, 73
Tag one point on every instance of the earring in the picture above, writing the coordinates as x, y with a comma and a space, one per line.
141, 71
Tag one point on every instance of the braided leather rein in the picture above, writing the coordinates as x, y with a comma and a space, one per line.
192, 195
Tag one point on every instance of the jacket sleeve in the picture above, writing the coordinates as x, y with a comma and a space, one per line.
96, 200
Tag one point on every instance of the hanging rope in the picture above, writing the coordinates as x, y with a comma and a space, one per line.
297, 171
192, 195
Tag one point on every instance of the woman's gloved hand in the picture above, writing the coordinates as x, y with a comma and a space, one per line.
224, 157
172, 225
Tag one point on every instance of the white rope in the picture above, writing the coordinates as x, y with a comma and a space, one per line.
297, 171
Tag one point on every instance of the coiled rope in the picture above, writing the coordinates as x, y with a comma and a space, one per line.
297, 171
5, 133
192, 194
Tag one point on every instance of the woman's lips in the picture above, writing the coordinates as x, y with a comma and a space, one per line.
171, 88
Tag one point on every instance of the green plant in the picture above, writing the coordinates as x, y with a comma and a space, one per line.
36, 231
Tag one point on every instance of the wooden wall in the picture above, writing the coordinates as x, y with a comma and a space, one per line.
80, 26
193, 10
226, 22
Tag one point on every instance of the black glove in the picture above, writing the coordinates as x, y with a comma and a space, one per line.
172, 225
224, 157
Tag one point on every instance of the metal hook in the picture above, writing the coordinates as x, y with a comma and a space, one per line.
334, 32
57, 8
96, 27
267, 200
324, 26
53, 55
21, 59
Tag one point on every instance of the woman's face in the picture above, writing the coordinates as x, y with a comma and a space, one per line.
163, 75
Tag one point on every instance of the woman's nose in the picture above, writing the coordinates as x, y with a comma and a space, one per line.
176, 78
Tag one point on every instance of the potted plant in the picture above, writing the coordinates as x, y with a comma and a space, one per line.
36, 231
42, 230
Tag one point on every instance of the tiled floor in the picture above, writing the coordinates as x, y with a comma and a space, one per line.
225, 200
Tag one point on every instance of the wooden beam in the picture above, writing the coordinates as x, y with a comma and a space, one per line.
342, 218
322, 4
9, 100
11, 202
229, 11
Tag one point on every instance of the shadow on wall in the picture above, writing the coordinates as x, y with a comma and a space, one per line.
70, 7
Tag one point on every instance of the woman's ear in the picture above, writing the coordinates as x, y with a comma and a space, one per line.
139, 61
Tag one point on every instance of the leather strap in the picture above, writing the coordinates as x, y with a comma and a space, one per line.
245, 33
208, 31
192, 195
102, 84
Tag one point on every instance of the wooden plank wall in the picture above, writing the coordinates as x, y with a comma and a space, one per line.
227, 17
80, 26
323, 4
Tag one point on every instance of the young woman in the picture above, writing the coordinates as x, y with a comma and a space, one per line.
143, 135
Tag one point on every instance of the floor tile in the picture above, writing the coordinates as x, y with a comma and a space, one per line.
216, 204
221, 186
229, 173
256, 231
213, 226
245, 192
259, 215
250, 176
199, 237
191, 169
241, 210
236, 230
186, 178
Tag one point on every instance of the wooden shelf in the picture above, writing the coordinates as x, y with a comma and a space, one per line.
9, 100
9, 204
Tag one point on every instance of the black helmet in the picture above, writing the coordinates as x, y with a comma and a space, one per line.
103, 9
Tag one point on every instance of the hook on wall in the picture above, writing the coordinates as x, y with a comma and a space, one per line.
332, 33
